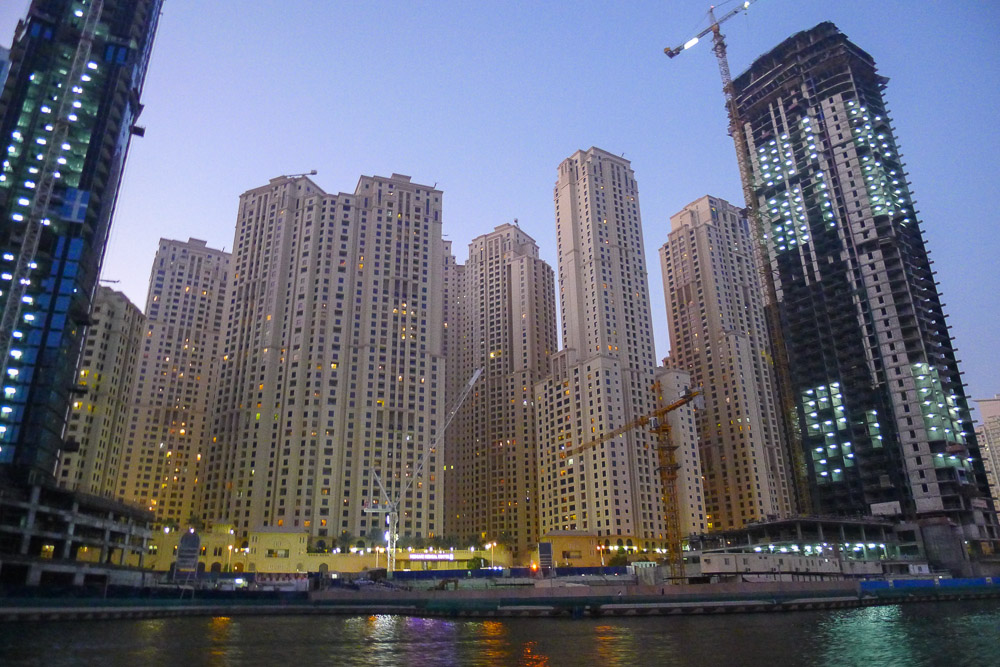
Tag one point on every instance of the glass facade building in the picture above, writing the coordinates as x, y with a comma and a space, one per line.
67, 113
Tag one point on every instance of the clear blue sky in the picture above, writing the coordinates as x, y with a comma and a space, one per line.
486, 98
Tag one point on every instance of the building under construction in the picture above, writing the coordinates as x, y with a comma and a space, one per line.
881, 412
67, 112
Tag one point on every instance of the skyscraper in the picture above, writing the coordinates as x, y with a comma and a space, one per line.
332, 380
603, 378
988, 435
505, 323
171, 411
98, 420
883, 416
693, 519
67, 113
718, 334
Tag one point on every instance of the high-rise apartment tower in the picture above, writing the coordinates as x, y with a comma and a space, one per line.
882, 415
98, 420
67, 113
505, 322
715, 309
693, 519
604, 376
174, 395
988, 435
332, 381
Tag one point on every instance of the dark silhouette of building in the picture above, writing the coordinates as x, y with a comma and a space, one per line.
67, 114
881, 411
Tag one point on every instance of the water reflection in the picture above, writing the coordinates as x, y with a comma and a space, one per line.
530, 657
913, 634
615, 645
221, 643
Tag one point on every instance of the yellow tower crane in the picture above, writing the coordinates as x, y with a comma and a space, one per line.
666, 451
779, 353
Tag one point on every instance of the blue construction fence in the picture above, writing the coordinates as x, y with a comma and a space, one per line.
914, 585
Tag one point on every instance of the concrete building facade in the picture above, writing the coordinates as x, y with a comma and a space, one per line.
603, 378
332, 381
174, 389
715, 310
506, 324
98, 418
988, 435
883, 417
673, 385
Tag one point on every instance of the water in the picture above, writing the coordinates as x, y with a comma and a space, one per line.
932, 634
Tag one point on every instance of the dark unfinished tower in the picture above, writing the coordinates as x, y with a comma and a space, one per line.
883, 417
67, 113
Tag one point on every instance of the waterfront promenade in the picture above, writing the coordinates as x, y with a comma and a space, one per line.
541, 601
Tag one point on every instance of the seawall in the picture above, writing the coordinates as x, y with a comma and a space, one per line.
548, 601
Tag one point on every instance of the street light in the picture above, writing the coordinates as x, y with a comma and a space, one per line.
229, 561
600, 550
491, 545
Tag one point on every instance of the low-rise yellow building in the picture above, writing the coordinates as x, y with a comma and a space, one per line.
573, 548
286, 552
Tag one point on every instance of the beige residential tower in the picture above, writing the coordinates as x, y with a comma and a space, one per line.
332, 381
99, 414
718, 335
603, 377
505, 323
174, 384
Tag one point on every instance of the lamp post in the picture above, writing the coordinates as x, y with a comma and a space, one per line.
600, 550
229, 560
491, 545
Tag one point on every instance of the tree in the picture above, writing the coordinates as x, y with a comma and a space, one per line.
375, 538
620, 559
345, 541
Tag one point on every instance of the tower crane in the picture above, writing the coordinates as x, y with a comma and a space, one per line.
390, 507
311, 172
736, 130
779, 353
666, 452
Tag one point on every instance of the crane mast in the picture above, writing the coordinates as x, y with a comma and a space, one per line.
779, 353
391, 507
666, 451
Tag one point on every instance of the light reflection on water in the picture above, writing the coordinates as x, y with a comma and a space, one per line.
615, 644
918, 634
